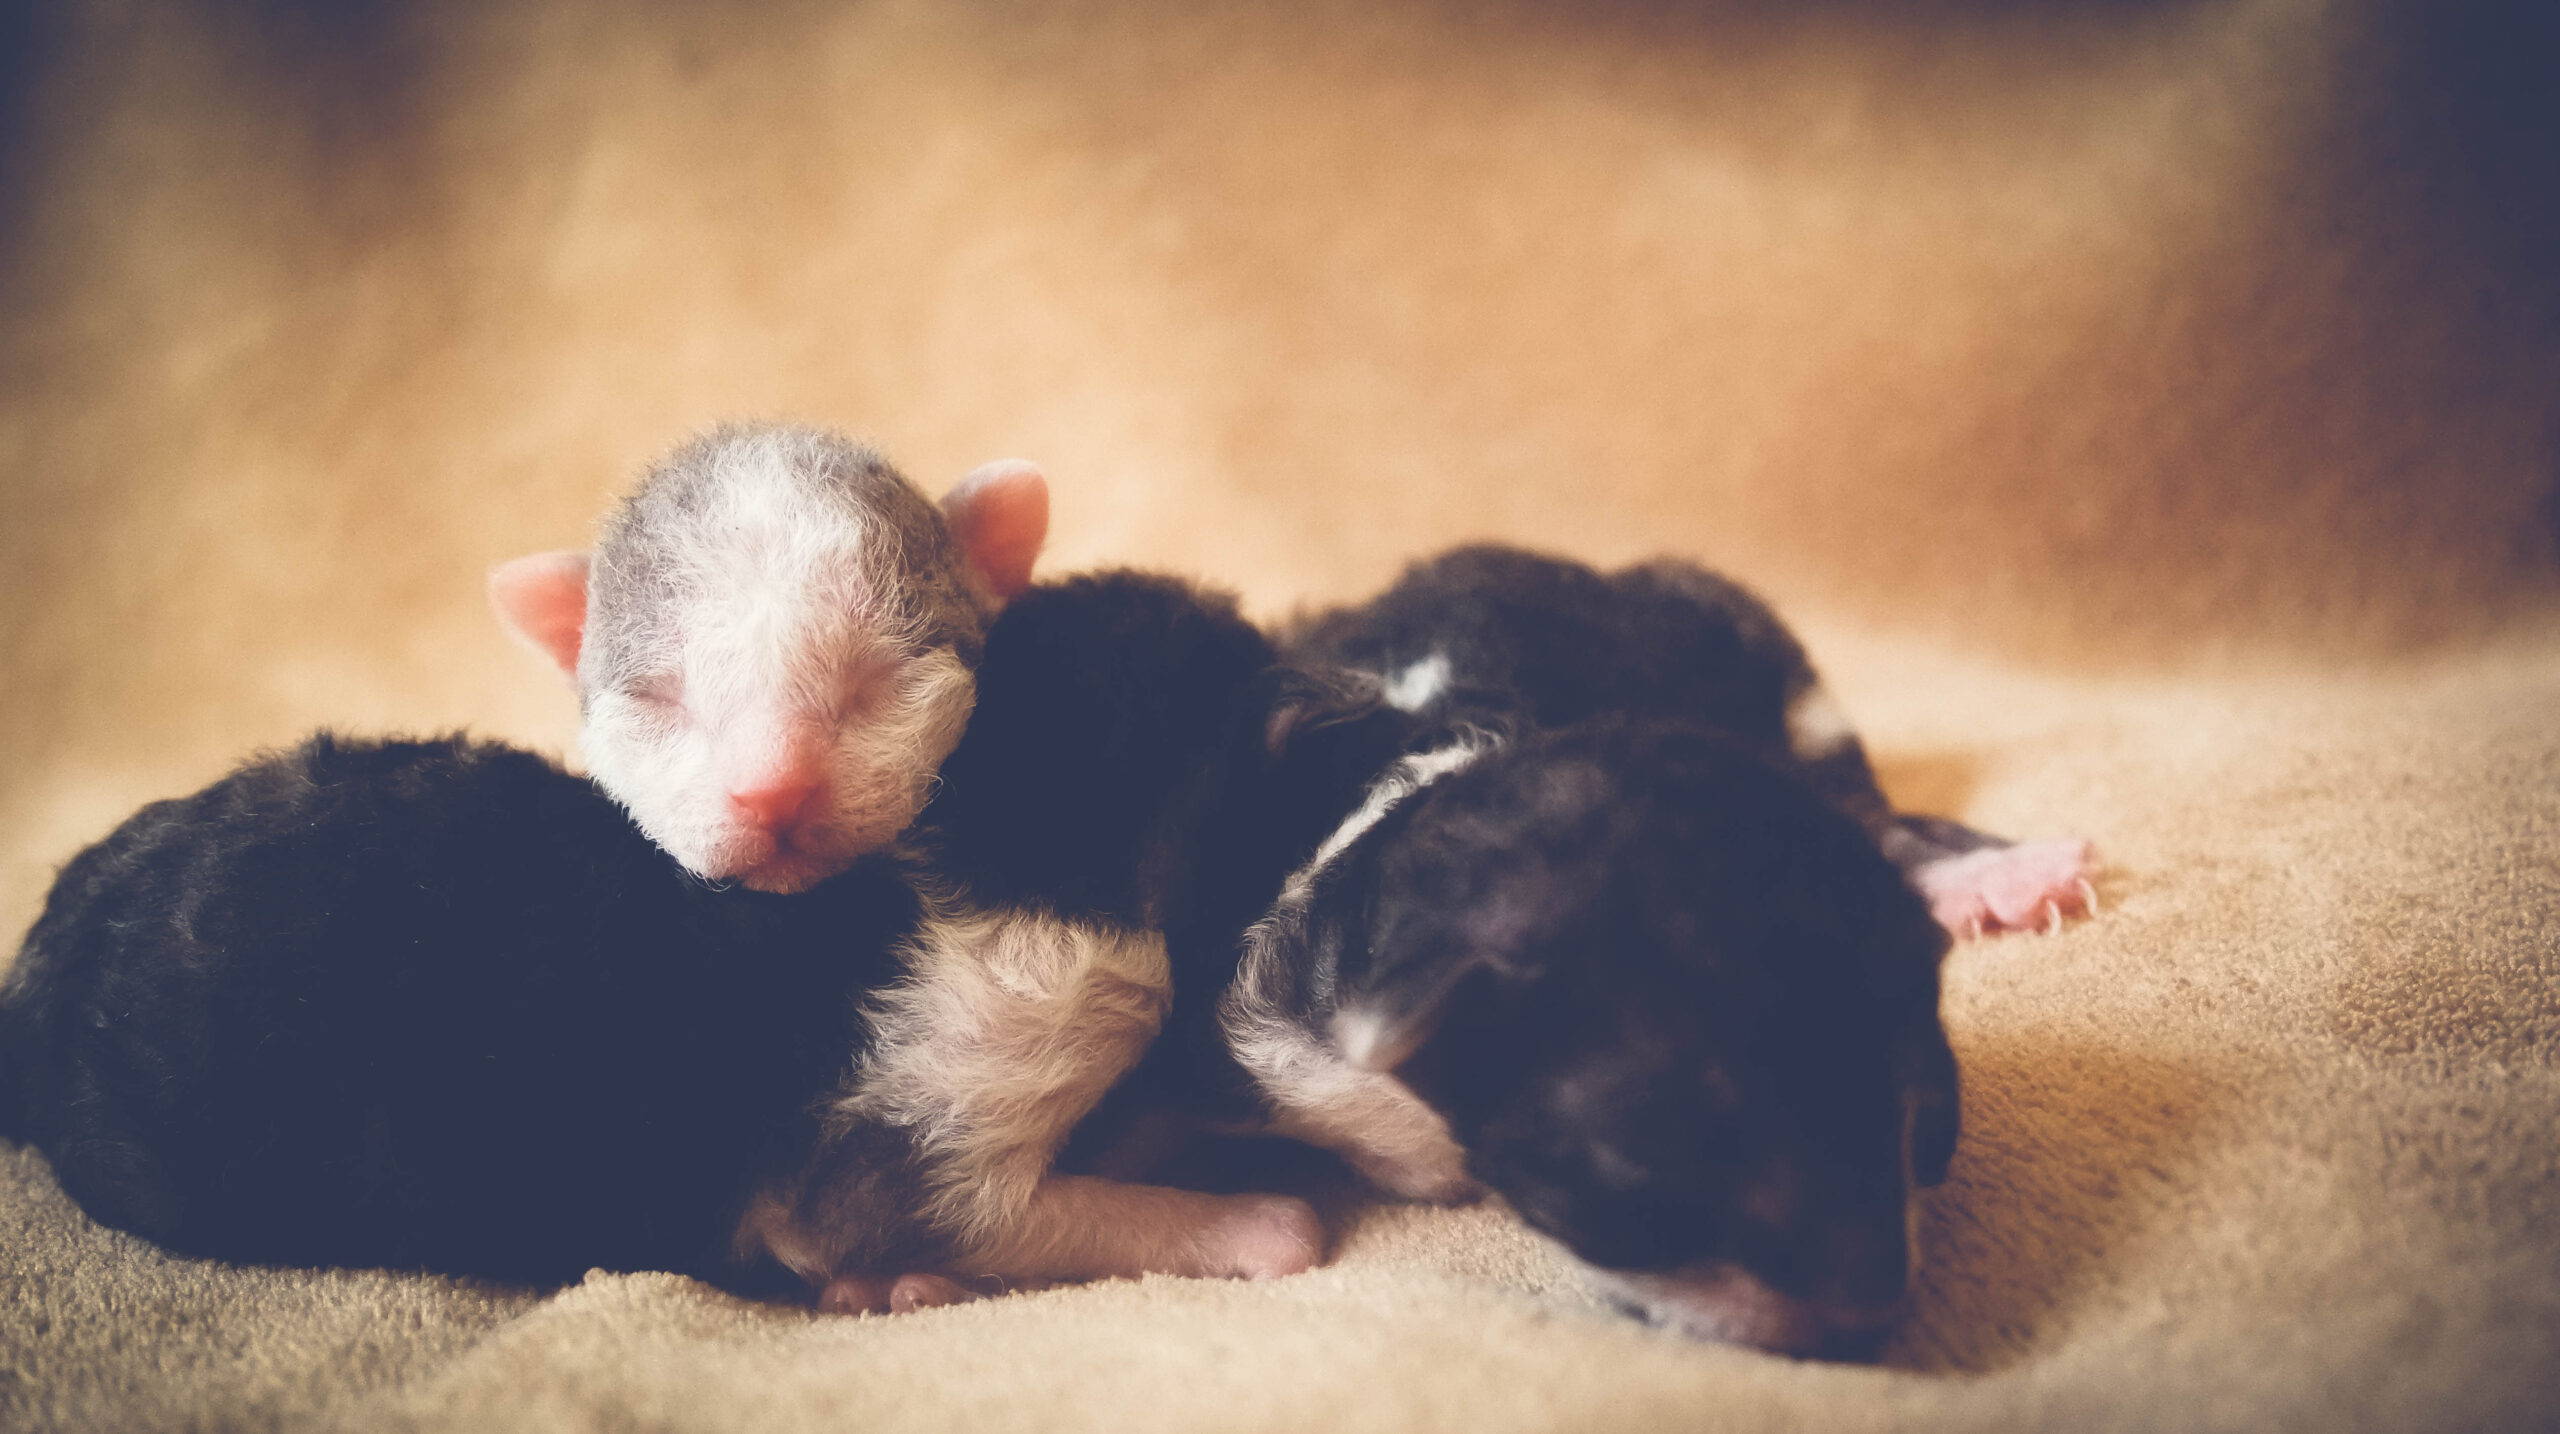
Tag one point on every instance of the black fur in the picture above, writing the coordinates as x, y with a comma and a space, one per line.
1106, 706
439, 1005
1117, 732
1545, 642
1672, 1003
1661, 975
425, 1004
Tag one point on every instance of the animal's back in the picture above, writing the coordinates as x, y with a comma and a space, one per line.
1496, 634
431, 1004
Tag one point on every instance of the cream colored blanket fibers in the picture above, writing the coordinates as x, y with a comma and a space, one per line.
2270, 1144
2150, 410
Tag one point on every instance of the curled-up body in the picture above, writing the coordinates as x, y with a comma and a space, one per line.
1622, 929
1505, 638
442, 1006
1650, 988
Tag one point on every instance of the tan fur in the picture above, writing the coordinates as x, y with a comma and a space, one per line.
1077, 1227
1008, 1028
2099, 336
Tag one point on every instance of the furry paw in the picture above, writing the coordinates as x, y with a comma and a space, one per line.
2011, 888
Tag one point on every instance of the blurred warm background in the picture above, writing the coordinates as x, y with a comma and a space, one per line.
2039, 358
2092, 333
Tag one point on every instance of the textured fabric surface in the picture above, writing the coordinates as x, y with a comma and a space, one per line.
2147, 410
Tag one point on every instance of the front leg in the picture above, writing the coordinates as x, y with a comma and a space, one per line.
1330, 1081
1009, 1028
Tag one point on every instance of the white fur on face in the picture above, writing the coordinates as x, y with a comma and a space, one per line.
1007, 1030
781, 655
673, 765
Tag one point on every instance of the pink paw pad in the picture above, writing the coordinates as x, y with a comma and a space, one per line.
1264, 1237
2033, 885
868, 1294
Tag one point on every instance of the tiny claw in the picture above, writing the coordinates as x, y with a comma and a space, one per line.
1973, 928
2053, 918
854, 1295
2089, 896
921, 1292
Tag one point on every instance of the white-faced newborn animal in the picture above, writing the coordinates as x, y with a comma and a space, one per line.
441, 1006
773, 643
1501, 637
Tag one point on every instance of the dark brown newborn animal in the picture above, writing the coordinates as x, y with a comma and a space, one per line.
1624, 931
1652, 989
1500, 637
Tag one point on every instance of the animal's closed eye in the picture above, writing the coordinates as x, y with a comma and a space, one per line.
660, 690
868, 684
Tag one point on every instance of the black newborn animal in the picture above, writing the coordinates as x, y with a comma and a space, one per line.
1655, 991
1620, 931
432, 1005
1501, 637
441, 1006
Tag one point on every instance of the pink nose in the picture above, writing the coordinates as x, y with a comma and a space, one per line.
773, 805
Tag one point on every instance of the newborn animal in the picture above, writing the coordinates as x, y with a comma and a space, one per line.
1654, 990
1625, 931
441, 1006
1501, 637
429, 1005
1121, 722
774, 640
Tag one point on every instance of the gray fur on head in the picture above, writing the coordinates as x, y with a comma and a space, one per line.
776, 609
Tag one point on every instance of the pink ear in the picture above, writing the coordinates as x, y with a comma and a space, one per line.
1000, 514
542, 601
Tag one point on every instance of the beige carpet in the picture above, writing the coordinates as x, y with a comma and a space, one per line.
2148, 410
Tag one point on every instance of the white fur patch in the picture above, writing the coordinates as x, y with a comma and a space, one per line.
1418, 685
1319, 1090
1009, 1026
1365, 1038
1408, 776
1816, 727
1369, 1118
